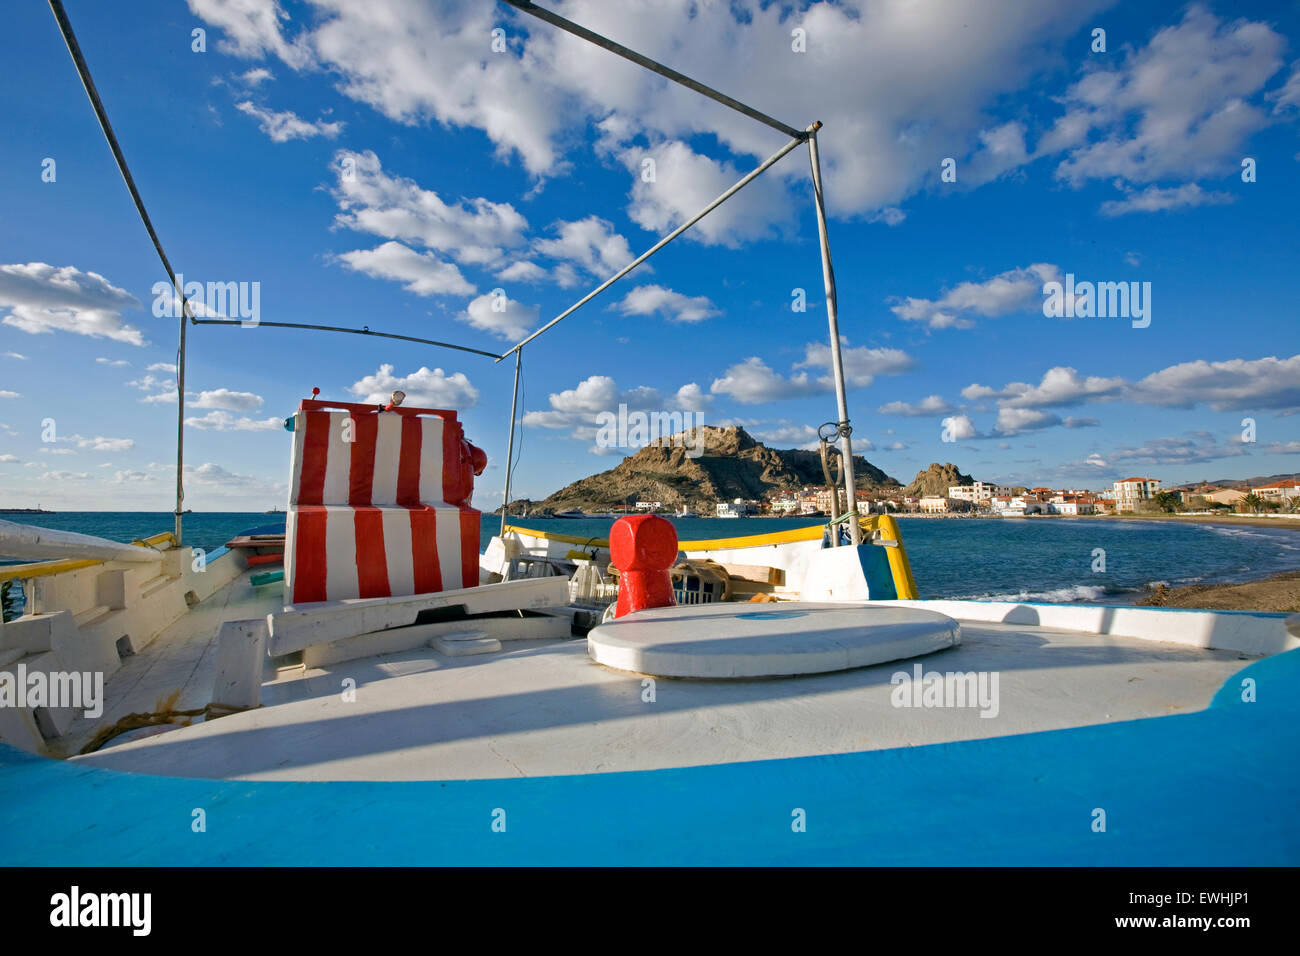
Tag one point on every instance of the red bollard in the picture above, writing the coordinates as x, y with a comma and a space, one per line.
643, 548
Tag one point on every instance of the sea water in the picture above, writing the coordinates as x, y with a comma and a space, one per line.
1025, 559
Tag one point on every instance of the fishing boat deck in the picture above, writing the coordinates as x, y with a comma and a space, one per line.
540, 708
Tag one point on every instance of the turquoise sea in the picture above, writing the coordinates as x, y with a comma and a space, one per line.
1042, 559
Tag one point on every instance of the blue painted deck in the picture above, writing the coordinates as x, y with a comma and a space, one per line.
1218, 787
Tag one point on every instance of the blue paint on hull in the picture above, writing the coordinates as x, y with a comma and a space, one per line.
1219, 787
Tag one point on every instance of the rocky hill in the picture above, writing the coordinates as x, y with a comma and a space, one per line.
936, 480
732, 465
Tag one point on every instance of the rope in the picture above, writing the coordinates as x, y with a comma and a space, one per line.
136, 721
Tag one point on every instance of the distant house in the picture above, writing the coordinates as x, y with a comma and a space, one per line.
649, 505
977, 492
1131, 492
1225, 496
1279, 490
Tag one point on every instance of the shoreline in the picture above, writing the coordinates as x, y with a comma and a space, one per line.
1274, 592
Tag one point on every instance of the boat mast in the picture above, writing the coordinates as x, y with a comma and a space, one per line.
510, 445
843, 426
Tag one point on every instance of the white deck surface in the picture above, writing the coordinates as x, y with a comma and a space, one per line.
544, 708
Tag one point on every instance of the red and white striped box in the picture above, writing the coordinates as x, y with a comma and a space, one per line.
379, 504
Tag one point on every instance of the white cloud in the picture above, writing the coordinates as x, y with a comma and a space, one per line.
161, 367
225, 398
522, 271
1061, 386
252, 29
576, 409
106, 444
1015, 290
686, 181
15, 355
123, 477
42, 298
1156, 199
589, 243
472, 231
959, 428
504, 317
6, 393
1178, 107
286, 125
930, 405
8, 458
256, 76
64, 476
675, 306
752, 382
861, 364
112, 363
1266, 384
424, 388
226, 422
421, 273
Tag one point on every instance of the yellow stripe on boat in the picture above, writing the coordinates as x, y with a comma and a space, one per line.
899, 565
41, 569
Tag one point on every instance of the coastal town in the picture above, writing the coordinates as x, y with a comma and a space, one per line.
1137, 495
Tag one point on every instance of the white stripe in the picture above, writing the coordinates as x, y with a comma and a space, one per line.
397, 550
338, 460
449, 546
295, 458
431, 462
341, 554
388, 453
290, 543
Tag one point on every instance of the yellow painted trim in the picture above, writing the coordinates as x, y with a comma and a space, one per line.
714, 544
899, 564
42, 569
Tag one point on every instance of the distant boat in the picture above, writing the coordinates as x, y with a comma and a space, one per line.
568, 514
275, 511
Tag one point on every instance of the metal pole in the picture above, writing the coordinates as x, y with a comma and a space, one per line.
667, 72
79, 61
837, 361
180, 430
365, 330
664, 241
510, 446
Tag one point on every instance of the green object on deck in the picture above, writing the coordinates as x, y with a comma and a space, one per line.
267, 577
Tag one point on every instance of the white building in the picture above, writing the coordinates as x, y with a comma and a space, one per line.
978, 491
649, 505
1279, 490
1131, 491
738, 508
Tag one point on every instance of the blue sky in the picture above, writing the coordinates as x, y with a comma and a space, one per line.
380, 164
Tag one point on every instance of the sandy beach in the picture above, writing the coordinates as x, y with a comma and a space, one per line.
1281, 592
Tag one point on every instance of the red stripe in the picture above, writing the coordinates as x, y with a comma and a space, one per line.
315, 452
424, 550
408, 464
372, 563
361, 473
451, 492
309, 563
470, 525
